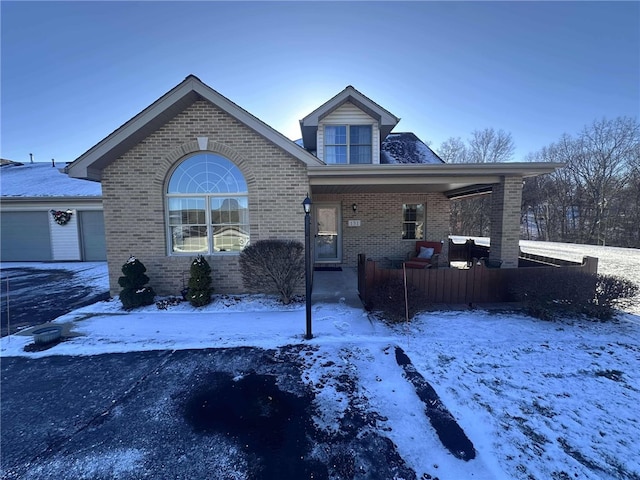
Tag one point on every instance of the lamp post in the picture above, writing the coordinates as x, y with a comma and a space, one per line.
306, 204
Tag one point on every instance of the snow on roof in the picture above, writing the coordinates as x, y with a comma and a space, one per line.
406, 148
43, 180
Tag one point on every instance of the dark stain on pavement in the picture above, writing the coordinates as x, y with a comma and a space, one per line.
268, 423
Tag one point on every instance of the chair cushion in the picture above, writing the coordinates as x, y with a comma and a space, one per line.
426, 253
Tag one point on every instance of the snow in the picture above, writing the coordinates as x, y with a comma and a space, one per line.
406, 148
538, 399
43, 180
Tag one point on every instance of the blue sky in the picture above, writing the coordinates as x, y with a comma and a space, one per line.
72, 72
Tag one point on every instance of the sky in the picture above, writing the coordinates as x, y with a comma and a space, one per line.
73, 72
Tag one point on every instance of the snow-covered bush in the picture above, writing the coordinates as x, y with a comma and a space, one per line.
134, 292
273, 266
199, 293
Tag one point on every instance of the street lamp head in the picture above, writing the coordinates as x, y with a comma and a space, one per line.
306, 204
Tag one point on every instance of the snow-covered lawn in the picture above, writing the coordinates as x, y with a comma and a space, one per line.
541, 400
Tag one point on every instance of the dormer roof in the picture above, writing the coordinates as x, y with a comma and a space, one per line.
309, 124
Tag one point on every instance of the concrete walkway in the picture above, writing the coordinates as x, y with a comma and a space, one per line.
336, 287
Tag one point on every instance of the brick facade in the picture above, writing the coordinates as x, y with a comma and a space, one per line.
380, 232
133, 189
506, 200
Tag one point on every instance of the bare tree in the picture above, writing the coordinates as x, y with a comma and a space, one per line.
490, 146
471, 216
453, 150
605, 150
595, 198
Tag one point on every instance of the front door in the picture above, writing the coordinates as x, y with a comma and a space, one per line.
328, 248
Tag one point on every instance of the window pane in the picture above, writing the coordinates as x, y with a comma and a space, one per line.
229, 210
413, 221
335, 135
185, 211
230, 238
360, 154
408, 231
335, 155
207, 173
186, 239
360, 134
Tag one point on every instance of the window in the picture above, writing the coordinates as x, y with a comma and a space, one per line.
412, 221
352, 148
207, 205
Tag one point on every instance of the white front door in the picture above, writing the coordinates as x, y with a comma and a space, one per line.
328, 235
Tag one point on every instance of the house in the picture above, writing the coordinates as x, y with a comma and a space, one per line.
30, 196
194, 173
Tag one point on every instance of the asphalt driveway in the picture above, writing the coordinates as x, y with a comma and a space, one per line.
38, 295
221, 413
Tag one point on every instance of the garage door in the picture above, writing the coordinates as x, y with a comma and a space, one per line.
24, 237
92, 236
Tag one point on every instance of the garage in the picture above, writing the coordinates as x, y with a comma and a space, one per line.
25, 237
92, 236
30, 232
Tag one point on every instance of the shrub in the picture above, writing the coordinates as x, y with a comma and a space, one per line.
549, 294
134, 293
273, 266
388, 298
611, 292
199, 293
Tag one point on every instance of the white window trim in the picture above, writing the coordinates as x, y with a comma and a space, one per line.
417, 221
209, 225
348, 144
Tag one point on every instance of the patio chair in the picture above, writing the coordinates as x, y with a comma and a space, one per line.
426, 255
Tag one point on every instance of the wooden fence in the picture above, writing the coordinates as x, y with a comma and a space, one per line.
477, 284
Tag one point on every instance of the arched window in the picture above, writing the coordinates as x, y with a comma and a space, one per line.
207, 206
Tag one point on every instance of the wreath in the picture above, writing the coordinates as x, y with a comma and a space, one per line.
60, 217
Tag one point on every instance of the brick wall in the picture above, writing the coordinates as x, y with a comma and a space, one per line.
380, 215
506, 199
133, 196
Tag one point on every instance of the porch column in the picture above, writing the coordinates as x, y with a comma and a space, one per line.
506, 199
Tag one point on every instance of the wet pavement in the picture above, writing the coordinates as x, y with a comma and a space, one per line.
237, 413
40, 295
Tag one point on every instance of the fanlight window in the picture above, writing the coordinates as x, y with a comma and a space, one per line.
207, 206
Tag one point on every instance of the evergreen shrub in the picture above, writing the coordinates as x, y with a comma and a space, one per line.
273, 266
199, 293
134, 292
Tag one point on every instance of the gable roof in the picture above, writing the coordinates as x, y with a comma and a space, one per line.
309, 124
90, 164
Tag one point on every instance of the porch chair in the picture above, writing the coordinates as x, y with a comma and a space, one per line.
426, 255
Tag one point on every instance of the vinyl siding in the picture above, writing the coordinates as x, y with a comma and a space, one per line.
349, 114
65, 241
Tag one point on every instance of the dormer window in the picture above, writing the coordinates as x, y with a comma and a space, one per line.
347, 144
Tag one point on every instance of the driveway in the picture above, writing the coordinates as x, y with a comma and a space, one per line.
236, 413
43, 292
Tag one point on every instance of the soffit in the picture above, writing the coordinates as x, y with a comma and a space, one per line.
450, 179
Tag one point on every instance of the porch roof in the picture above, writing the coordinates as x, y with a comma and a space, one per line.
455, 180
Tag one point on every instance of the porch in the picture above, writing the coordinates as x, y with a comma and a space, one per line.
465, 283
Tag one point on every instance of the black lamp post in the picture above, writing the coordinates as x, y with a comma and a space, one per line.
306, 204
